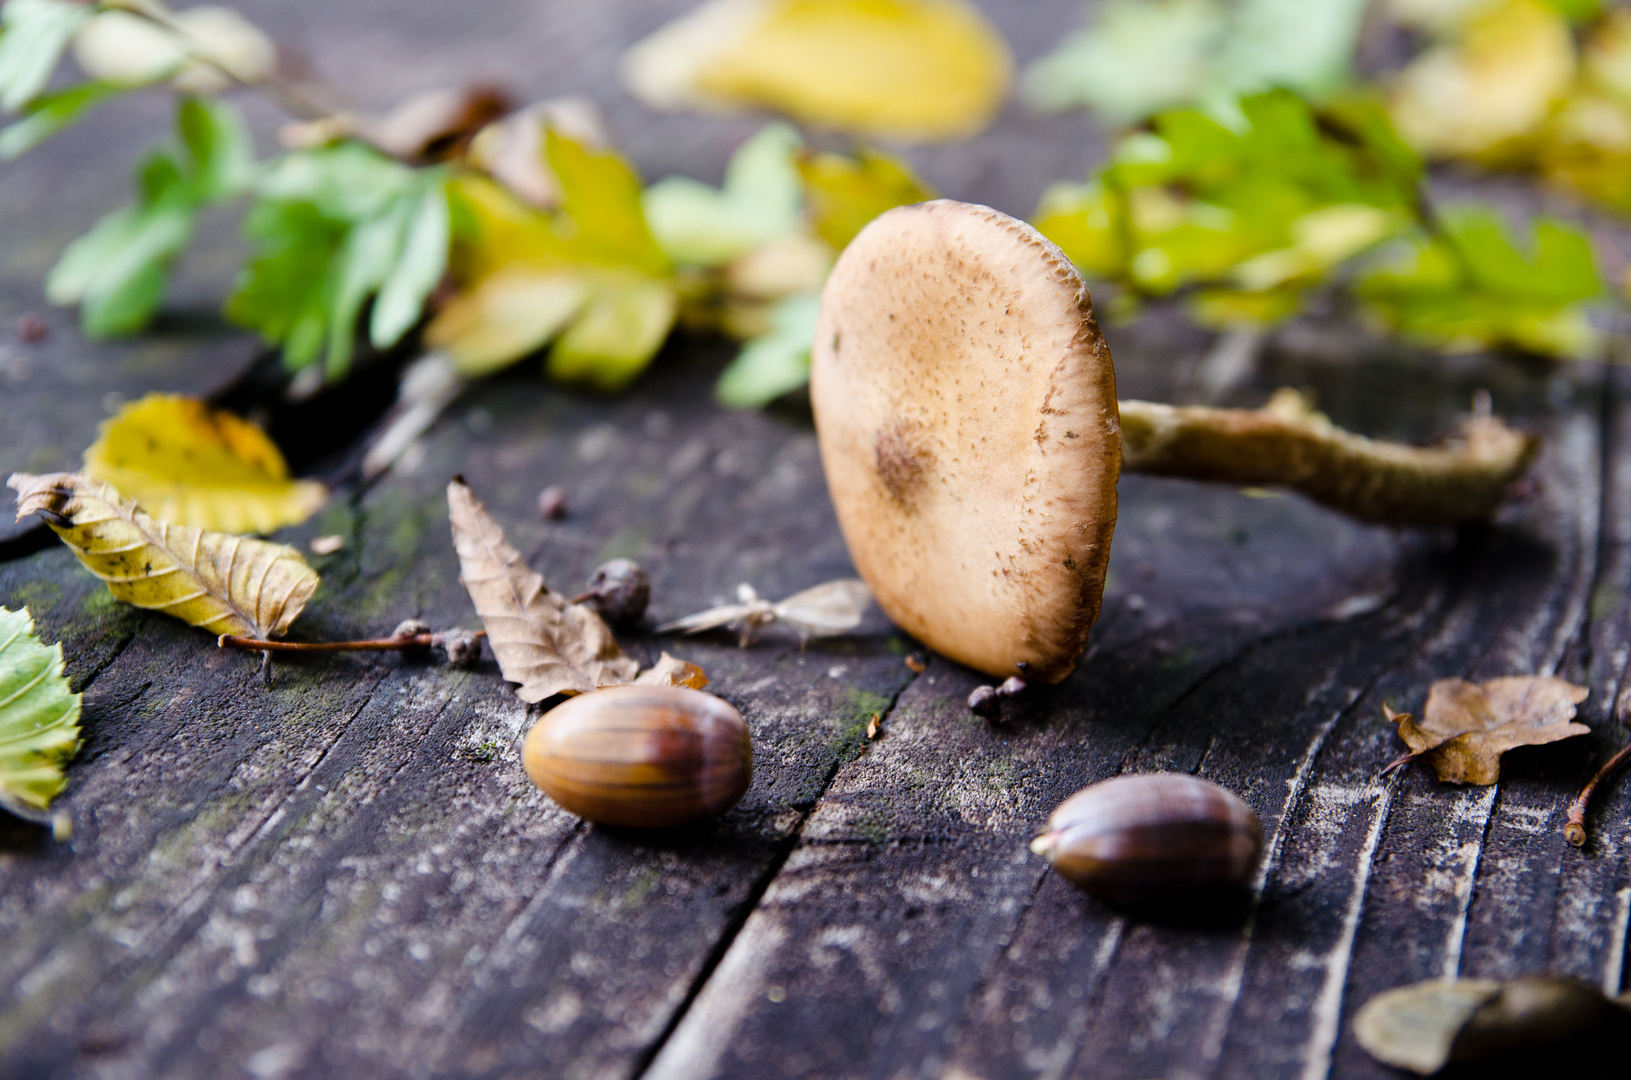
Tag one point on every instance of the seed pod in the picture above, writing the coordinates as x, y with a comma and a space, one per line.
620, 590
1155, 837
646, 757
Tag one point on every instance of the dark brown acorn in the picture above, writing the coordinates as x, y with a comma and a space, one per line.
645, 757
1152, 838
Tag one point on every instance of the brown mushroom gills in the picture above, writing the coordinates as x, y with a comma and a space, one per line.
965, 406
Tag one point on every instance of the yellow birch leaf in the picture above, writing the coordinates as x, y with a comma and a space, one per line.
910, 69
224, 584
189, 464
845, 193
1482, 95
508, 314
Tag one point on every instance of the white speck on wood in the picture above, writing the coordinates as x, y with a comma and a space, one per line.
1328, 1007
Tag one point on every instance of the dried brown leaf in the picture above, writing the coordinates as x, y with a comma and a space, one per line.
542, 641
671, 671
1466, 727
223, 583
1432, 1024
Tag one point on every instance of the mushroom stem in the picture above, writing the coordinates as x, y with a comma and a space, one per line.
1286, 442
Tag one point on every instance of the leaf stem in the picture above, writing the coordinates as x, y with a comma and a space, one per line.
1575, 831
402, 643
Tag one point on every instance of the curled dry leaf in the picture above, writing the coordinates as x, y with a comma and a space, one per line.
1431, 1024
671, 671
39, 718
225, 584
1466, 727
834, 607
542, 640
188, 464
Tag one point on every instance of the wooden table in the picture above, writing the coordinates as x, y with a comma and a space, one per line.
348, 875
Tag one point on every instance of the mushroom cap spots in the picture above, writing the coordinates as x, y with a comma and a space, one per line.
965, 404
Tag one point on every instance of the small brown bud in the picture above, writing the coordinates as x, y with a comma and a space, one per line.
619, 590
463, 648
552, 503
410, 628
985, 701
31, 329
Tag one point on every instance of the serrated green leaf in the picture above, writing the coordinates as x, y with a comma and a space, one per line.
47, 115
117, 272
332, 227
1259, 212
418, 268
1472, 287
33, 34
39, 717
774, 363
282, 290
845, 193
221, 152
758, 201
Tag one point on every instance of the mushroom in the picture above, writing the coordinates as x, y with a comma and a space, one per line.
965, 406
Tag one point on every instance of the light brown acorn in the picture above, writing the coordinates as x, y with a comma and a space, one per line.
645, 757
1156, 837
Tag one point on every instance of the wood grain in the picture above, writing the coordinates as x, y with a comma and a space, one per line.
349, 875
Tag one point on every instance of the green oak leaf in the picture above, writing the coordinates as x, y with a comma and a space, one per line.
1470, 286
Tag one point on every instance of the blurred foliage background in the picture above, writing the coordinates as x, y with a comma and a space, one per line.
1454, 173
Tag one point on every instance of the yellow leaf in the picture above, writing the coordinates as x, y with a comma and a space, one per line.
845, 193
1484, 93
508, 314
911, 69
590, 275
225, 584
620, 330
191, 465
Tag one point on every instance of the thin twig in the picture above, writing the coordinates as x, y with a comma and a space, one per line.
1575, 831
286, 95
402, 644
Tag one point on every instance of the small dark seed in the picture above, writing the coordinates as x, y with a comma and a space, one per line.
463, 648
31, 329
985, 701
620, 591
410, 628
552, 503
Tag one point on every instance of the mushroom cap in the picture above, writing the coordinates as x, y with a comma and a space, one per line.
965, 404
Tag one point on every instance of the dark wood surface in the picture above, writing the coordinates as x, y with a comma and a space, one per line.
348, 874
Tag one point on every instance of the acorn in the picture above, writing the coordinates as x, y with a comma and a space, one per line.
644, 757
1159, 837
